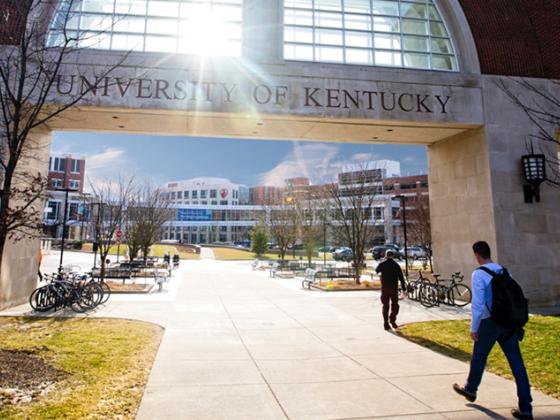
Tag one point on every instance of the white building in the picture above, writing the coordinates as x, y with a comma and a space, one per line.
206, 191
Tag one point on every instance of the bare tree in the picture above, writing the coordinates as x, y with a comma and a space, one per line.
147, 212
30, 69
309, 226
282, 224
542, 107
419, 226
352, 203
112, 199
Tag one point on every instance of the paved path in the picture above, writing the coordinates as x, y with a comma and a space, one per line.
240, 345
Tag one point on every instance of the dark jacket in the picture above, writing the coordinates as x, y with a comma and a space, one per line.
391, 273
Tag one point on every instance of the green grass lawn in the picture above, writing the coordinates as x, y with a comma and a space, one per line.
540, 348
157, 250
226, 254
105, 365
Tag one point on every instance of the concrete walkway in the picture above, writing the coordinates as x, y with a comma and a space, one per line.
240, 345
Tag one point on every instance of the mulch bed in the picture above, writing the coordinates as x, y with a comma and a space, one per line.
118, 287
24, 376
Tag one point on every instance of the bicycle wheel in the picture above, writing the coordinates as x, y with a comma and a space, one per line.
106, 291
459, 295
428, 295
91, 295
39, 300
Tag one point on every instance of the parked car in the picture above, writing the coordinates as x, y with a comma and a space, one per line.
327, 249
343, 254
378, 252
415, 252
242, 244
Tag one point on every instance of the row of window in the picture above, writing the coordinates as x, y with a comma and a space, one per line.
195, 194
75, 211
401, 33
152, 26
72, 183
59, 165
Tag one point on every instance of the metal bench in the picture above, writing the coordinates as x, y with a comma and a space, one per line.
309, 278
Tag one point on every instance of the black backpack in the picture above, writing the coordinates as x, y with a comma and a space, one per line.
510, 308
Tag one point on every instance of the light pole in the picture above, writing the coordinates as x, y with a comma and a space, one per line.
65, 214
324, 238
96, 233
402, 198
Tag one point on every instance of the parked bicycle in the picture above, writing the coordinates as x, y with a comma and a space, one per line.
442, 291
65, 290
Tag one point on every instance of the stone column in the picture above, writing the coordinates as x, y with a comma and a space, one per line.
20, 261
262, 31
461, 204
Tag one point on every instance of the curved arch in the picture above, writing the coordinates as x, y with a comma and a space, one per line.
460, 32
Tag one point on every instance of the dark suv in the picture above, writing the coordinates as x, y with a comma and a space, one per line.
378, 252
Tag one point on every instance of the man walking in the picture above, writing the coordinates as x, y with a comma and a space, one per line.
391, 273
485, 332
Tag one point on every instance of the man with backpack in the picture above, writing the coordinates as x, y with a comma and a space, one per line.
499, 311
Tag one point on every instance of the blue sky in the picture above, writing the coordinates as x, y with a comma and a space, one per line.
161, 159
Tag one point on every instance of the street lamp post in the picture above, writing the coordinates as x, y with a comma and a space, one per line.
324, 238
402, 199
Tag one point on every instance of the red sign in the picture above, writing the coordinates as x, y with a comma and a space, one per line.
223, 192
119, 234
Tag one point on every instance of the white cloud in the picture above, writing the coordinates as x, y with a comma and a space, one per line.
318, 162
109, 158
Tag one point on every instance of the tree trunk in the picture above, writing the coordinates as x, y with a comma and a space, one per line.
2, 246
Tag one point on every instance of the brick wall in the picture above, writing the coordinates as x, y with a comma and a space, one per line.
12, 20
516, 37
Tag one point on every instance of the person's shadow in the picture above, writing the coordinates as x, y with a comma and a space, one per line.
487, 411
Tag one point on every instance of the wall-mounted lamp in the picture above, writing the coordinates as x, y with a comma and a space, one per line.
534, 172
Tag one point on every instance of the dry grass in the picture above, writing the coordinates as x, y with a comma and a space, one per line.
106, 364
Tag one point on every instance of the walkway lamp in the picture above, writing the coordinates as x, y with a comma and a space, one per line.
402, 198
534, 173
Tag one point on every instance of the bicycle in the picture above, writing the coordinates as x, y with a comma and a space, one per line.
66, 290
454, 293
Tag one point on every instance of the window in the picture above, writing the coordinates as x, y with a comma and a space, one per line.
58, 164
172, 195
203, 193
396, 33
209, 27
186, 194
213, 193
52, 209
179, 195
194, 194
57, 183
75, 166
214, 203
74, 184
378, 213
73, 211
223, 203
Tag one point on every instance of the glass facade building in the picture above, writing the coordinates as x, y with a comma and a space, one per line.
395, 33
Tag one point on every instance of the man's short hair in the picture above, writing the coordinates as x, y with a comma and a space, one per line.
482, 248
389, 253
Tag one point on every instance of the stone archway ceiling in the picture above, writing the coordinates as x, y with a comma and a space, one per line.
516, 37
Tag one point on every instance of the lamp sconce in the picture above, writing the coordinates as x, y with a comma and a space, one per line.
534, 173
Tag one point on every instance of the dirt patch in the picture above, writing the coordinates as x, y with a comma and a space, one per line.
24, 376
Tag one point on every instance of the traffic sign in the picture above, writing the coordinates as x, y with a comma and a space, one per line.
119, 234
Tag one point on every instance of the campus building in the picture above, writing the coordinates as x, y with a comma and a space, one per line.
438, 73
66, 173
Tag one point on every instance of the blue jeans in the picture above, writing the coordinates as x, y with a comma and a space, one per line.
488, 333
